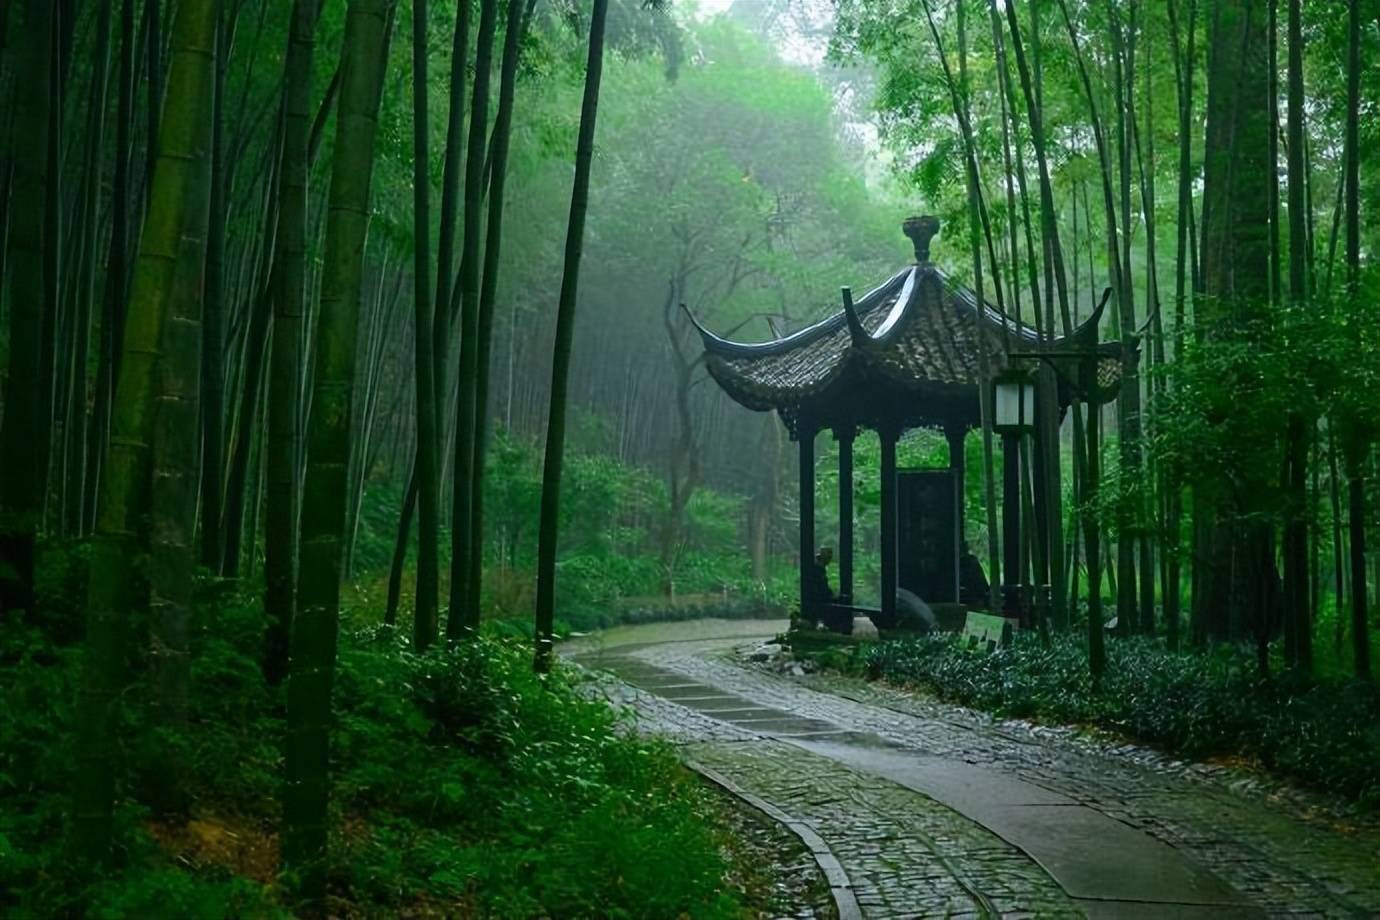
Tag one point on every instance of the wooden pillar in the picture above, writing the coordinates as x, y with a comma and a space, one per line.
889, 568
845, 439
1011, 524
1053, 479
1040, 501
957, 436
807, 511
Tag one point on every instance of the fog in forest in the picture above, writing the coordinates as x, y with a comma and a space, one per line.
659, 458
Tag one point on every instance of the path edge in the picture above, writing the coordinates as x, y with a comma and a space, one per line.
840, 888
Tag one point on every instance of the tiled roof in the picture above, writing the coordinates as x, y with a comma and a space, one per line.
916, 330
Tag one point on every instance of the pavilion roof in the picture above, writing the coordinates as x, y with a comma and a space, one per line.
916, 336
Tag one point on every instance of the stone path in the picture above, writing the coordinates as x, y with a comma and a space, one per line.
934, 810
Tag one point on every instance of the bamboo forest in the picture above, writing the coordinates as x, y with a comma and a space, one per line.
726, 459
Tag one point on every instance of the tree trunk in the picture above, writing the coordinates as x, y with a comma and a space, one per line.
288, 291
143, 460
314, 632
252, 376
1183, 77
75, 450
21, 492
460, 620
1128, 395
958, 96
1056, 278
565, 327
1235, 261
762, 506
53, 261
1296, 602
213, 320
424, 606
488, 294
1097, 652
1356, 452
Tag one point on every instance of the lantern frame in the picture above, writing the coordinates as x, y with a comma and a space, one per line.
1013, 402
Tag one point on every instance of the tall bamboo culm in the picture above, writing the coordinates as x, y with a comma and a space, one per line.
314, 633
160, 342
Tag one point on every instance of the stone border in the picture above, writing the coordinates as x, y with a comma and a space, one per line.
840, 888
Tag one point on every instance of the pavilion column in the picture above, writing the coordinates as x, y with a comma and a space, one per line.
845, 439
888, 438
1054, 499
807, 512
1011, 524
957, 436
1040, 463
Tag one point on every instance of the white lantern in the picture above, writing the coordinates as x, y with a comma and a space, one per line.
1014, 402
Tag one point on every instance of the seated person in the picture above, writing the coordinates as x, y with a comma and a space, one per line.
973, 590
818, 601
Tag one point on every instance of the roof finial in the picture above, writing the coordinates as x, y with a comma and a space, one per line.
855, 326
921, 230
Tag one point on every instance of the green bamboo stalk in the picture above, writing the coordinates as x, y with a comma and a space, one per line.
459, 620
166, 292
21, 497
565, 328
424, 604
488, 293
314, 633
285, 359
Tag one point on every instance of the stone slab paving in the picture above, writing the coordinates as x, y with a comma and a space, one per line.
1144, 869
1285, 852
905, 855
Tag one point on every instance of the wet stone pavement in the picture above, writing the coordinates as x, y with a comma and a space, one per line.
933, 810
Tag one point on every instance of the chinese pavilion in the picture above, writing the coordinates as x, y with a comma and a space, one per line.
905, 355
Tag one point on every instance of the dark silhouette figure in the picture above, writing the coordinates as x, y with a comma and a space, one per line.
973, 589
818, 603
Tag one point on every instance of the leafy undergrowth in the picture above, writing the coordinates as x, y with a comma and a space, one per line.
464, 786
1319, 733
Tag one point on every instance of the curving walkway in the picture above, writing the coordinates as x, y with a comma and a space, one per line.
935, 810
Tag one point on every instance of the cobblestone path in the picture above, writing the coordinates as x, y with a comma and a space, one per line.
934, 810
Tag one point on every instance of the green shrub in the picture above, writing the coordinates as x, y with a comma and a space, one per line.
462, 783
519, 794
1322, 733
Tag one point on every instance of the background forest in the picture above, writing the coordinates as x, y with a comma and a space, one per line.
281, 286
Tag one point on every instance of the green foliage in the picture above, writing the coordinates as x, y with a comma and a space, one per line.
521, 794
465, 783
1320, 733
608, 568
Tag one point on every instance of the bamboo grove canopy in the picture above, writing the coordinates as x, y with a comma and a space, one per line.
905, 355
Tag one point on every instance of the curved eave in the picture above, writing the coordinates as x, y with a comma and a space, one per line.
726, 348
907, 282
1085, 333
